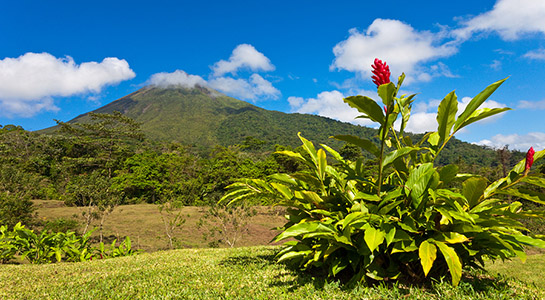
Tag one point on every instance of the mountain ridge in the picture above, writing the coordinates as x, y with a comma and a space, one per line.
203, 118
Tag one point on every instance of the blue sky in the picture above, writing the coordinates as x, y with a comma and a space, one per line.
59, 59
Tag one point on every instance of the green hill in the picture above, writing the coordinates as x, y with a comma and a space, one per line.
203, 118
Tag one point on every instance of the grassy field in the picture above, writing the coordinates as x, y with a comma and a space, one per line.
237, 273
143, 224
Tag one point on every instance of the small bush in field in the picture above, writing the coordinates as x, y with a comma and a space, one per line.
405, 222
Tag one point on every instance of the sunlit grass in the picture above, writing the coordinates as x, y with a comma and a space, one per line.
240, 273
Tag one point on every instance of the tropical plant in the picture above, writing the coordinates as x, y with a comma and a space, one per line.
407, 221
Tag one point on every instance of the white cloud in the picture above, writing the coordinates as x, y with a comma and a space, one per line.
401, 46
535, 54
495, 65
424, 115
28, 82
329, 104
254, 89
523, 104
243, 56
511, 19
515, 141
176, 78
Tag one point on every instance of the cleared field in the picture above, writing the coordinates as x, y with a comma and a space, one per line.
143, 224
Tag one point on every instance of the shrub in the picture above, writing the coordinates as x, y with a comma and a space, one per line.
407, 222
14, 208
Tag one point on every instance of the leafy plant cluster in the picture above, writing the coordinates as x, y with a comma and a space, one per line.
48, 247
411, 220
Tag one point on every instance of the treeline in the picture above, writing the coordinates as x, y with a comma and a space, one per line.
108, 162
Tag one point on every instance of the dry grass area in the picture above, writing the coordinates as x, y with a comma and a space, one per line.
144, 225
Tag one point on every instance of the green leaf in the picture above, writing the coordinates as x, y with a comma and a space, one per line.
476, 102
446, 115
534, 180
418, 182
291, 154
333, 153
302, 229
309, 148
368, 197
525, 194
481, 114
427, 253
367, 106
453, 262
373, 238
448, 173
293, 254
451, 237
386, 93
362, 143
321, 164
390, 157
473, 189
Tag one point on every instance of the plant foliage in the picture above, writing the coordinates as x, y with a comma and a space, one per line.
407, 221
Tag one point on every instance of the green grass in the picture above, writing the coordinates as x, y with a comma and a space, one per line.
531, 271
239, 273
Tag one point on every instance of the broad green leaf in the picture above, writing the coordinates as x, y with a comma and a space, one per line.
448, 173
321, 163
446, 115
373, 238
473, 189
476, 102
333, 153
386, 93
291, 154
427, 253
485, 205
368, 197
283, 190
310, 197
362, 143
538, 181
451, 237
367, 106
390, 157
525, 194
453, 262
390, 233
528, 240
293, 254
309, 148
338, 264
433, 138
491, 189
418, 182
302, 229
285, 178
481, 114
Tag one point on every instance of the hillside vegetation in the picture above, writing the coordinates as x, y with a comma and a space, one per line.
204, 118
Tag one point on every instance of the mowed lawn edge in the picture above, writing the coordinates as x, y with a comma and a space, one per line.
237, 273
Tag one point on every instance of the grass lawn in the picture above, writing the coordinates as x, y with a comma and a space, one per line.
237, 273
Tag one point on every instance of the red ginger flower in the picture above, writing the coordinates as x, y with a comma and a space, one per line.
381, 72
529, 159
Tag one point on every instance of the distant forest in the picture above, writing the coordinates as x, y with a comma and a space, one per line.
109, 162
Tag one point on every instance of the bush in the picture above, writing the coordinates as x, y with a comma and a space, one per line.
15, 208
407, 222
